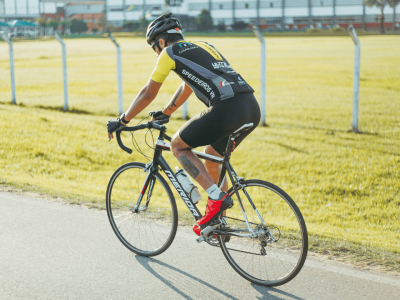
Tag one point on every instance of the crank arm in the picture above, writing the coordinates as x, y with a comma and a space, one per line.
206, 231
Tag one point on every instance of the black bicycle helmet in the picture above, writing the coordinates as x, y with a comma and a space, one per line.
163, 23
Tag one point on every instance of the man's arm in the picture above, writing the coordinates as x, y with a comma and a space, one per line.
143, 99
181, 95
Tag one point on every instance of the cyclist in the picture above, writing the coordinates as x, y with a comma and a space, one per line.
227, 95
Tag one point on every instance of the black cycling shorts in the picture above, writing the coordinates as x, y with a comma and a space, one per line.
214, 125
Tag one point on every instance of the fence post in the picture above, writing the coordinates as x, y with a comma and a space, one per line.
64, 59
356, 82
10, 46
185, 110
262, 75
119, 70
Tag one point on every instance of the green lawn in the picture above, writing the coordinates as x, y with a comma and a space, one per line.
346, 184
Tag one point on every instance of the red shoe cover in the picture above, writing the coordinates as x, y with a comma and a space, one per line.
197, 229
213, 207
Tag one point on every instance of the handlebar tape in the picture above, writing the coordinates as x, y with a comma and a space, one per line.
121, 144
138, 127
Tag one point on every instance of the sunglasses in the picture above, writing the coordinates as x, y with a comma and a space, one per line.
154, 45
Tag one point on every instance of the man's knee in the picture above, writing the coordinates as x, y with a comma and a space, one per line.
210, 150
177, 144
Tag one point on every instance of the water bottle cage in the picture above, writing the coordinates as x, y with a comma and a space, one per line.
190, 193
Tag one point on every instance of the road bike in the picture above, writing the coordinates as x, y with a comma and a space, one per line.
263, 236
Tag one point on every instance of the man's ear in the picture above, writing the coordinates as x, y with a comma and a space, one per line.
161, 42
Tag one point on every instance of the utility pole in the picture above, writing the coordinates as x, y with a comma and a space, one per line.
105, 14
309, 14
124, 10
334, 13
283, 14
363, 17
258, 14
234, 10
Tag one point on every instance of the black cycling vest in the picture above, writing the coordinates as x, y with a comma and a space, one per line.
206, 71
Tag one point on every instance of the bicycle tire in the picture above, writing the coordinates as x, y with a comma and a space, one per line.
159, 218
280, 261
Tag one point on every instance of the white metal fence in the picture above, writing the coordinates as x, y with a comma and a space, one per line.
263, 67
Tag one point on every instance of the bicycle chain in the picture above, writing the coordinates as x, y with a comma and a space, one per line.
234, 249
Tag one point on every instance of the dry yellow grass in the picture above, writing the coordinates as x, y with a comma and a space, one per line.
347, 185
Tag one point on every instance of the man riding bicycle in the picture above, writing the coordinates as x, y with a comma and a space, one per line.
227, 95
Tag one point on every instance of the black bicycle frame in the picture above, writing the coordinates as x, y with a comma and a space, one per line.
159, 162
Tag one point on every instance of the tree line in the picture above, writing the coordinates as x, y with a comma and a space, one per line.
203, 22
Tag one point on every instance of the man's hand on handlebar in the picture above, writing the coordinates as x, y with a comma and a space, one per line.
112, 126
116, 125
158, 115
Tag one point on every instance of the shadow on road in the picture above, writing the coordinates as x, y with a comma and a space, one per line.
191, 287
265, 291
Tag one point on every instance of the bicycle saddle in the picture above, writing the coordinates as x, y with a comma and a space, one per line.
242, 129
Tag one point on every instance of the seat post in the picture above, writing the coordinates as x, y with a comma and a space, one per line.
229, 148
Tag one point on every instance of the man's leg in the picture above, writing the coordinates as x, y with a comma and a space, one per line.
190, 162
213, 168
217, 201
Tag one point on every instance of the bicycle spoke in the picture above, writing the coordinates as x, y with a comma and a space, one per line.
152, 228
260, 259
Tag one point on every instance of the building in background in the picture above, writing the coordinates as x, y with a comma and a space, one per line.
120, 11
268, 14
293, 13
89, 12
32, 9
18, 9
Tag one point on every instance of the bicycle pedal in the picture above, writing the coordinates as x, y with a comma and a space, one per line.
200, 239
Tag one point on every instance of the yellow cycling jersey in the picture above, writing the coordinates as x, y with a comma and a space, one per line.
203, 68
163, 66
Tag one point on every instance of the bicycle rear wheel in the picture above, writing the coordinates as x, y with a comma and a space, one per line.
150, 229
277, 251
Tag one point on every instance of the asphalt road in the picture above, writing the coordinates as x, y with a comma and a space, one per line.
50, 250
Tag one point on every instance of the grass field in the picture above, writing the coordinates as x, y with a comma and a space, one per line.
346, 184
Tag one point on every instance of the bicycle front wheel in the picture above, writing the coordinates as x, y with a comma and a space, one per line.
274, 250
147, 228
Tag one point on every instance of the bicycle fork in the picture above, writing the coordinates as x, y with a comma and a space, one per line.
149, 182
